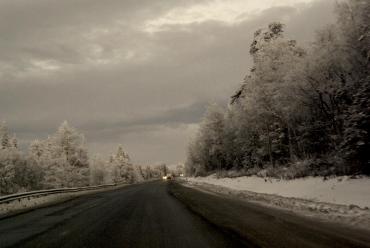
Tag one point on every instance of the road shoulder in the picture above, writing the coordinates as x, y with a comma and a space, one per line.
25, 205
264, 226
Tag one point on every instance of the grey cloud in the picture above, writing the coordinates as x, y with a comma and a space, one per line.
109, 128
179, 115
60, 30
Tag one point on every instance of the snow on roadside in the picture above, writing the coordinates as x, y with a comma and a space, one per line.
339, 190
339, 199
31, 202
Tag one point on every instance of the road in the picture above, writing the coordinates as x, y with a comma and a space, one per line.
143, 215
161, 214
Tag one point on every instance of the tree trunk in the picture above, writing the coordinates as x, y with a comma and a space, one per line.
290, 144
269, 146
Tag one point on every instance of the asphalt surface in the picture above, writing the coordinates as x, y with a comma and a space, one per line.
162, 214
143, 215
263, 226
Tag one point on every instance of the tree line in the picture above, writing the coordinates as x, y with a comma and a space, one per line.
300, 110
61, 160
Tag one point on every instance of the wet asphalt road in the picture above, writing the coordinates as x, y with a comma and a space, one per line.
143, 215
162, 214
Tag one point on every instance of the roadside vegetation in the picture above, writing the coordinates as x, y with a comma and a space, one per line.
62, 160
300, 111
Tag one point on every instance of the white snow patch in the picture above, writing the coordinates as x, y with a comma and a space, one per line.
341, 199
339, 190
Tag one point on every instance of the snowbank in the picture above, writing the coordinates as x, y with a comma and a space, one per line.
341, 200
339, 190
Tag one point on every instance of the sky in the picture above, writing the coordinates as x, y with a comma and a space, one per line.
134, 72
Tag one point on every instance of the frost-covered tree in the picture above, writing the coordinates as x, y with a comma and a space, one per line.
61, 160
163, 169
17, 171
14, 142
36, 149
268, 98
297, 104
100, 172
205, 152
7, 171
122, 168
4, 135
71, 144
147, 173
179, 170
354, 25
63, 156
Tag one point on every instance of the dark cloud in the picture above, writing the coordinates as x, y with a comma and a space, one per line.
181, 115
92, 63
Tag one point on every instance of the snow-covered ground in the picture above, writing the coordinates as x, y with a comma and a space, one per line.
339, 190
339, 199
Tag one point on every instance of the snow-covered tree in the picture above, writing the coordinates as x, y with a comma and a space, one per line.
4, 135
63, 156
354, 25
17, 171
205, 153
297, 104
100, 172
122, 168
14, 142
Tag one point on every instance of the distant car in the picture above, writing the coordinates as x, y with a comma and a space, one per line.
167, 177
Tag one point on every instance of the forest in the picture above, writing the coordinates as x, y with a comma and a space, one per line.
300, 111
61, 161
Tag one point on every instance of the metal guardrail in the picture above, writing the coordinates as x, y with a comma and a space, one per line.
39, 193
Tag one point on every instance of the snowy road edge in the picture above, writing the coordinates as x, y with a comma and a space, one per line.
18, 203
351, 215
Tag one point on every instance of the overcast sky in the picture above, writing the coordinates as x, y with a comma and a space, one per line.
133, 72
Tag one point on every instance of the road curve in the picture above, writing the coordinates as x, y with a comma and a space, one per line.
143, 215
